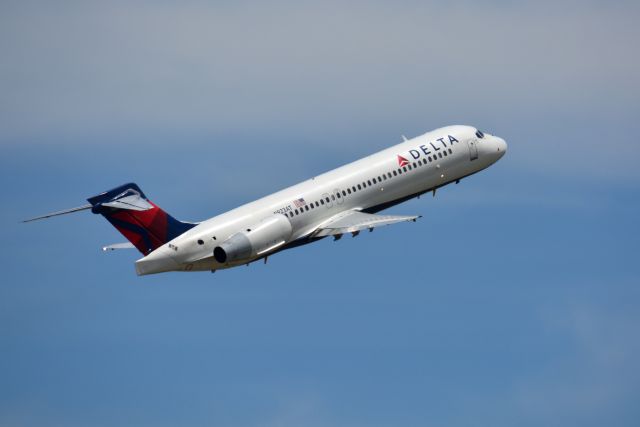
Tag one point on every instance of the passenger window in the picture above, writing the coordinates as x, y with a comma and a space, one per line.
327, 199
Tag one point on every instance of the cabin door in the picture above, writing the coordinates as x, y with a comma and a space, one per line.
473, 148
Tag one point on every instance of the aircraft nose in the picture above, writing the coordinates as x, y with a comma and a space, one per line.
501, 146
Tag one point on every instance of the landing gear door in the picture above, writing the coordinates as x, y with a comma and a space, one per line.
473, 148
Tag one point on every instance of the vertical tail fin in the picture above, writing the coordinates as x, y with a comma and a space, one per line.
142, 222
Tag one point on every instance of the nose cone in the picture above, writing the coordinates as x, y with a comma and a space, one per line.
157, 261
501, 146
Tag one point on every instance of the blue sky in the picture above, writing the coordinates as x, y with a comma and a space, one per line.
514, 300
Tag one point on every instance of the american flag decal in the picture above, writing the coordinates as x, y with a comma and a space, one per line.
299, 202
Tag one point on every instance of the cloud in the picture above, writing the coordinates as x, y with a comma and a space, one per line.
77, 67
556, 79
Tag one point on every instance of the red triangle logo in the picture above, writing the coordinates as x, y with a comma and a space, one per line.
402, 161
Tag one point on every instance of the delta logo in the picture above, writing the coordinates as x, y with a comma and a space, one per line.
426, 150
402, 161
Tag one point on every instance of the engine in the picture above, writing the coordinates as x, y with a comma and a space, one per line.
267, 235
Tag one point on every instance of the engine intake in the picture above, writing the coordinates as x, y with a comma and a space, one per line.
268, 235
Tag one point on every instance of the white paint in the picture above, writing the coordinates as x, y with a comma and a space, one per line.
417, 177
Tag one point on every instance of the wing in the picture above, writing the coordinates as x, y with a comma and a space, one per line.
354, 221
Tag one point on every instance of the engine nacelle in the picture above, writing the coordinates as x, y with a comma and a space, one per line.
267, 235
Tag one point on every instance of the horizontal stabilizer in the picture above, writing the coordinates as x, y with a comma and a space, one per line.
141, 221
66, 211
354, 221
125, 245
129, 200
138, 219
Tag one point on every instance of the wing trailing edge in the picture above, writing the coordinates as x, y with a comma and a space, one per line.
355, 221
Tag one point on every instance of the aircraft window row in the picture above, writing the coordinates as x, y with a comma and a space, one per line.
374, 180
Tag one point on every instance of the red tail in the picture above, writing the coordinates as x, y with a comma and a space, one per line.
142, 222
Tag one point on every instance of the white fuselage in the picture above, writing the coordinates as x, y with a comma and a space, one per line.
370, 184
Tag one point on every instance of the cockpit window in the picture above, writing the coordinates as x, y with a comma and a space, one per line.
479, 134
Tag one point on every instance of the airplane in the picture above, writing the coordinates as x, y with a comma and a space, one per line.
342, 201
